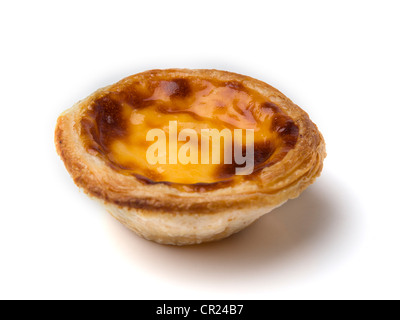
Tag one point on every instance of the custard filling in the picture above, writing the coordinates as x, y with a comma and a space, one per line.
116, 127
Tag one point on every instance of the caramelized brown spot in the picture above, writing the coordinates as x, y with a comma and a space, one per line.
109, 118
178, 88
227, 171
286, 128
262, 153
130, 96
107, 124
270, 108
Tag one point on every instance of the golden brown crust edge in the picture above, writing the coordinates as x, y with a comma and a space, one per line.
158, 212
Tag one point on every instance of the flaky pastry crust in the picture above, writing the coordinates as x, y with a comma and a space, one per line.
183, 215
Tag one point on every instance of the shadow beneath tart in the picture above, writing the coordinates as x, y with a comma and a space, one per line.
304, 227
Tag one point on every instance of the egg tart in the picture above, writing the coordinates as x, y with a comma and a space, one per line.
191, 189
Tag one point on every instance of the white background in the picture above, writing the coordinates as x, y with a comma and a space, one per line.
338, 60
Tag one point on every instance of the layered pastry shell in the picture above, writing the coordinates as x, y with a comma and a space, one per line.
179, 211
